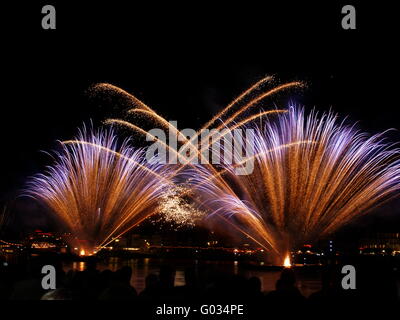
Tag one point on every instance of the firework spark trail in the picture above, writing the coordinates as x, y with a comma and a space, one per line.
199, 151
244, 108
142, 109
189, 142
146, 133
164, 123
133, 101
99, 190
304, 191
238, 100
259, 98
229, 169
212, 141
115, 153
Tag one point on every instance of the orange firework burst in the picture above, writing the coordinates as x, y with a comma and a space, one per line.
99, 190
311, 176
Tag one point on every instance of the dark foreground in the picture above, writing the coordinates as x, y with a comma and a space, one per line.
377, 284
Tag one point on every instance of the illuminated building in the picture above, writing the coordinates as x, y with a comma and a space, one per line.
381, 243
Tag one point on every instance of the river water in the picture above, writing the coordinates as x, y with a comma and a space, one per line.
141, 267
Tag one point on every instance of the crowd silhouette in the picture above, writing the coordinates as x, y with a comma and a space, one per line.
202, 283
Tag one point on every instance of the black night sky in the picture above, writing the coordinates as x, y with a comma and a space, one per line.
186, 62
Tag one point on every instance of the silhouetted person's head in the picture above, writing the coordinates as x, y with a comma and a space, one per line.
124, 275
91, 264
288, 277
254, 284
118, 292
167, 276
190, 277
34, 267
105, 277
151, 281
331, 278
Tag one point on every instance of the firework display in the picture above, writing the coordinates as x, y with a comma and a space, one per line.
99, 189
312, 174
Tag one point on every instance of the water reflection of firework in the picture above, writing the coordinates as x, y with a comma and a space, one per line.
286, 262
99, 190
4, 217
